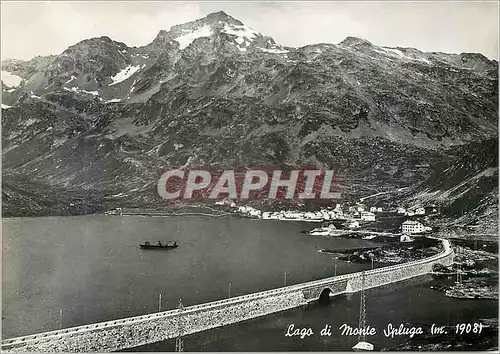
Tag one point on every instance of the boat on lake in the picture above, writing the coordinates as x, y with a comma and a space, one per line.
159, 245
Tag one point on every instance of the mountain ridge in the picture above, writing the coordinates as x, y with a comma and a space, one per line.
215, 91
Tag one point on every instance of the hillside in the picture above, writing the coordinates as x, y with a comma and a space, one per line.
93, 127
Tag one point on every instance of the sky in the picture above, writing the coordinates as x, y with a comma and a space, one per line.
33, 28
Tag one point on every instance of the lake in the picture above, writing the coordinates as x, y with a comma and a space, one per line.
90, 268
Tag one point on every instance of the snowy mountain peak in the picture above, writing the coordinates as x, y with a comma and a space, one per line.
213, 20
213, 24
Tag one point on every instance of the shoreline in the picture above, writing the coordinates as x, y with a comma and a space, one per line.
466, 237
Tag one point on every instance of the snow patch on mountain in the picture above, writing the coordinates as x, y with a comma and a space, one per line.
240, 30
124, 74
58, 142
71, 79
78, 90
132, 88
186, 39
244, 35
275, 51
10, 80
399, 54
113, 100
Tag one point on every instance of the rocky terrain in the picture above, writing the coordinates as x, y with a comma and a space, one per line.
93, 128
465, 189
488, 341
390, 252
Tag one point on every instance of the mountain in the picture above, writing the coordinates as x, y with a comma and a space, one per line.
465, 189
94, 127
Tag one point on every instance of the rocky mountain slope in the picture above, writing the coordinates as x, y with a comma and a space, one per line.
465, 189
94, 127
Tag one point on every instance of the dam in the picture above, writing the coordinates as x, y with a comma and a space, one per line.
140, 330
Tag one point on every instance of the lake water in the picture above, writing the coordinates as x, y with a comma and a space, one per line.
92, 269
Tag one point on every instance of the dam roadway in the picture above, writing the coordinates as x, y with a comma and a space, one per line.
140, 330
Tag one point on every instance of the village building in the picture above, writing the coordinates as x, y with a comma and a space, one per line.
373, 209
339, 213
226, 201
367, 216
334, 214
419, 211
353, 225
405, 238
379, 210
401, 210
412, 227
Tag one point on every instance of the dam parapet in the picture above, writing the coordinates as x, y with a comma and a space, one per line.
141, 330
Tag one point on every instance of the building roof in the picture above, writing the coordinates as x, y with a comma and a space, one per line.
363, 346
411, 222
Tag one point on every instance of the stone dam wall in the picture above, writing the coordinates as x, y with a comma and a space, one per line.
126, 333
135, 331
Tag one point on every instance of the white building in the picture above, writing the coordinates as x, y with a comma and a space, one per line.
420, 211
373, 209
401, 210
367, 216
339, 213
269, 215
225, 201
405, 238
353, 225
335, 214
412, 227
379, 210
323, 231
